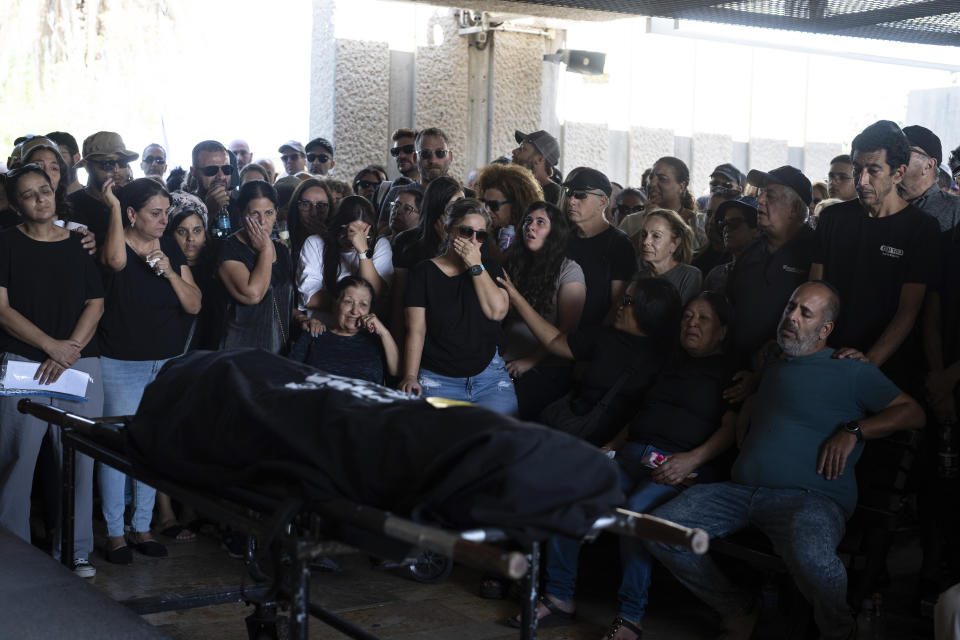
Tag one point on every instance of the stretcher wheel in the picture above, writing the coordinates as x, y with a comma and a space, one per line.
429, 567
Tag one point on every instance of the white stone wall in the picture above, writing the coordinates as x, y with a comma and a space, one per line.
647, 145
441, 99
517, 88
709, 150
816, 159
322, 72
584, 145
362, 104
767, 154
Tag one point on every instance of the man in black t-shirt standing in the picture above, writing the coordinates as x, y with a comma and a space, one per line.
880, 253
603, 252
105, 157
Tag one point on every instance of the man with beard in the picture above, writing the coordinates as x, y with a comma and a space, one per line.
210, 180
404, 149
540, 152
433, 156
881, 253
105, 158
794, 476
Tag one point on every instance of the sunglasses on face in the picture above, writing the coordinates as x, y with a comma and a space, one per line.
155, 159
580, 194
319, 207
321, 157
366, 184
732, 224
110, 165
290, 157
725, 192
624, 209
427, 154
494, 205
212, 170
407, 149
469, 232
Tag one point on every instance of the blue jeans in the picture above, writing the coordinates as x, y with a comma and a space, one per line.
491, 388
805, 528
123, 385
642, 495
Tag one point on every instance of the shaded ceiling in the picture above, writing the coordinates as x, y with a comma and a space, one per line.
919, 21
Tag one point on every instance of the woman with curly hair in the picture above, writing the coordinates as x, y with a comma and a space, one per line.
664, 249
507, 191
554, 286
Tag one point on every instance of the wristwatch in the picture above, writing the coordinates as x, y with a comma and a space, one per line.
477, 269
853, 427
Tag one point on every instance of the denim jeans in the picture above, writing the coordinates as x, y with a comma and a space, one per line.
805, 528
642, 495
491, 388
20, 438
123, 385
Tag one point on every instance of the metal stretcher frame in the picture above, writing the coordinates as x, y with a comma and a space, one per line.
101, 439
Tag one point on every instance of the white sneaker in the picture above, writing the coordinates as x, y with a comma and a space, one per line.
84, 569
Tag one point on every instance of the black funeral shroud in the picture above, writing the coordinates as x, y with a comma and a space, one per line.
250, 419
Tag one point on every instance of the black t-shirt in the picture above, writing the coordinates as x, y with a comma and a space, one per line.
605, 354
460, 340
407, 252
868, 260
760, 284
710, 258
9, 218
143, 319
605, 257
358, 356
684, 406
90, 212
48, 283
552, 193
948, 286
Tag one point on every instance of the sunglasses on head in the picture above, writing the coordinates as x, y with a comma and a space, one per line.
494, 205
469, 232
110, 165
426, 154
407, 149
321, 157
154, 159
212, 170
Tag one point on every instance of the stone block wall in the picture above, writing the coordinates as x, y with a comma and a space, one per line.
584, 145
361, 105
767, 154
517, 88
709, 150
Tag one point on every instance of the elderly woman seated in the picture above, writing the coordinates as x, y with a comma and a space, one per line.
356, 345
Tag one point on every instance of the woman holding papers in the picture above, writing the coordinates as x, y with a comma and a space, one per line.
151, 301
51, 299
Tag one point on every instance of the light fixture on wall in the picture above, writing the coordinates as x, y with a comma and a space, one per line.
478, 25
589, 63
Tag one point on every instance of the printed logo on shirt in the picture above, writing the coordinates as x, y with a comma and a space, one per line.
891, 252
790, 269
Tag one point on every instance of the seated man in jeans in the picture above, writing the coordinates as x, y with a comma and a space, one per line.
794, 476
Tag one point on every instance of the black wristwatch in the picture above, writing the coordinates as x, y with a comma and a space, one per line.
853, 427
477, 269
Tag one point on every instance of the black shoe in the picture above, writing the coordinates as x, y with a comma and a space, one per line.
120, 555
151, 548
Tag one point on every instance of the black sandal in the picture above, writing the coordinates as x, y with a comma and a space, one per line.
556, 617
619, 623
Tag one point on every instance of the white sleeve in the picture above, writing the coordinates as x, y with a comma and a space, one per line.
383, 260
310, 279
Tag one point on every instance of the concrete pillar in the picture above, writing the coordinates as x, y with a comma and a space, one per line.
322, 70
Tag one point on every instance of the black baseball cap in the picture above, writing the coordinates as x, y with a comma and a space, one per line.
544, 142
747, 204
323, 143
583, 178
730, 172
926, 140
787, 176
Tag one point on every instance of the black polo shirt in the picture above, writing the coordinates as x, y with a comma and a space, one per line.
869, 260
760, 285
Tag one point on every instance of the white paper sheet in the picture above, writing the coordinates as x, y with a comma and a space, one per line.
18, 380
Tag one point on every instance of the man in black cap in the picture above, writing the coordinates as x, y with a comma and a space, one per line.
293, 156
920, 186
737, 222
766, 274
539, 152
603, 252
319, 156
105, 157
881, 254
727, 181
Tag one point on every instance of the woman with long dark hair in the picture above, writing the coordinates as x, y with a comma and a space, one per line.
421, 242
311, 205
347, 248
150, 296
554, 286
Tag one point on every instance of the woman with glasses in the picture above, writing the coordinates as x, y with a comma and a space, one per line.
454, 308
256, 273
366, 182
150, 300
51, 299
420, 243
554, 286
347, 248
664, 249
310, 206
507, 191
